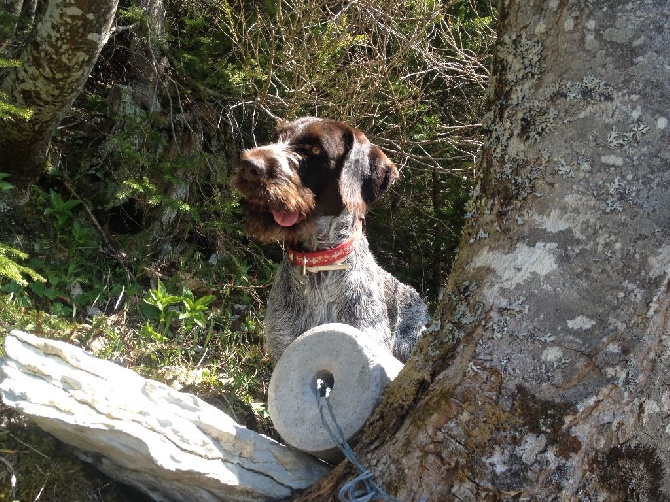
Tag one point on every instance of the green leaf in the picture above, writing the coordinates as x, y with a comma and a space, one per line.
149, 311
4, 185
160, 298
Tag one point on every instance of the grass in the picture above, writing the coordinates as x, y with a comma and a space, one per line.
177, 319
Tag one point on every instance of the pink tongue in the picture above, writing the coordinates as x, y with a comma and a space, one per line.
286, 219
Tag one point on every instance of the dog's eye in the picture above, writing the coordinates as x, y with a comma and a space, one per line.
308, 149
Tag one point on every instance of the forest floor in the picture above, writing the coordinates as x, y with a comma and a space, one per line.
179, 316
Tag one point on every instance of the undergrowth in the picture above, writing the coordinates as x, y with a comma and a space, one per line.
184, 317
131, 245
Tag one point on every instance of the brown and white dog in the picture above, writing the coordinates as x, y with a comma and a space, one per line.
311, 189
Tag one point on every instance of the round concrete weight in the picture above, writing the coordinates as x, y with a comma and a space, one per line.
356, 368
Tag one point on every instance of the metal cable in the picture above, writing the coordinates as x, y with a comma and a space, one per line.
362, 488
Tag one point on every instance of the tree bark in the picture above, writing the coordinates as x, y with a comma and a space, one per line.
147, 64
546, 374
65, 42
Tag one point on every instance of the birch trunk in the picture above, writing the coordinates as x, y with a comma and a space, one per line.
546, 377
65, 42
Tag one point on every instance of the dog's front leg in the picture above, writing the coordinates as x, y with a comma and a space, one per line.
289, 313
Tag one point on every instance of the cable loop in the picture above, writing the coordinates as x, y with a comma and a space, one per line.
363, 488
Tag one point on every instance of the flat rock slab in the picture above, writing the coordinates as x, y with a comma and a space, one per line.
170, 445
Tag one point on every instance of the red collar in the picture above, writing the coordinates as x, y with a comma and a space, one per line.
327, 259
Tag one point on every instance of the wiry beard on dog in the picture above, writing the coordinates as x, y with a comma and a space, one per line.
277, 203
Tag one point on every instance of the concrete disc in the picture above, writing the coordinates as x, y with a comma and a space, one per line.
356, 367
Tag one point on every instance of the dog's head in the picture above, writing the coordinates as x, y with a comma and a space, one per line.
316, 167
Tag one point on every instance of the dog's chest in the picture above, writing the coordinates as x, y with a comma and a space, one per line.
318, 292
331, 296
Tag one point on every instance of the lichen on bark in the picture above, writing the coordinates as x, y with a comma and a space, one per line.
66, 39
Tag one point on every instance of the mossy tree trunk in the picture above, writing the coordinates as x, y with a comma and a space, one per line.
64, 44
547, 378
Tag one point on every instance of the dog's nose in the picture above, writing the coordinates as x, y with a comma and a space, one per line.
253, 167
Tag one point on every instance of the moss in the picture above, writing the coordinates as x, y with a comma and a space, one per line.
547, 417
487, 421
632, 472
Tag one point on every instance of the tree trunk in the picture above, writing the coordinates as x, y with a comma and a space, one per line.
548, 376
438, 259
147, 64
65, 42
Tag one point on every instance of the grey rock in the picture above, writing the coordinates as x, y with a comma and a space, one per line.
170, 445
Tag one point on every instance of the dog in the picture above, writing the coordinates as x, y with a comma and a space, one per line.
311, 189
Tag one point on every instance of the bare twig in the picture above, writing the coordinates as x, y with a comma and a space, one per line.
118, 255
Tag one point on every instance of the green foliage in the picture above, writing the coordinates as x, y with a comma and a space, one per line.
60, 209
143, 168
9, 111
150, 194
77, 278
193, 314
5, 185
131, 14
9, 63
10, 269
411, 75
160, 303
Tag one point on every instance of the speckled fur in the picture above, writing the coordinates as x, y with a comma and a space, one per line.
353, 173
364, 296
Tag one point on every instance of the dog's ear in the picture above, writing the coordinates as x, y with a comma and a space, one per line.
383, 174
366, 174
280, 126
